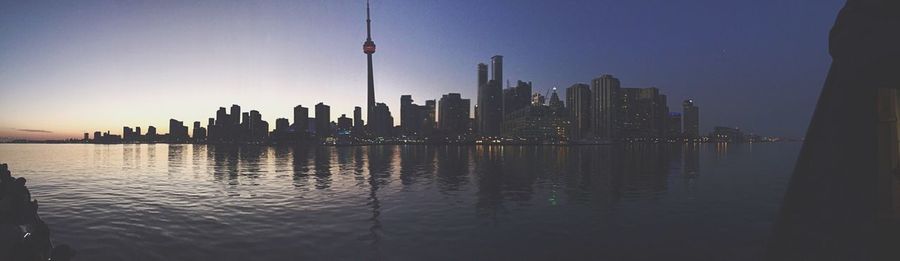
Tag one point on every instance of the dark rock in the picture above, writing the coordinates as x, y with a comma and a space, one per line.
832, 208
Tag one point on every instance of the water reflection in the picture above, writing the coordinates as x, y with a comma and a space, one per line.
499, 174
323, 157
400, 202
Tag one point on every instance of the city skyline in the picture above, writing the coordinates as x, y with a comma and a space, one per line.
134, 96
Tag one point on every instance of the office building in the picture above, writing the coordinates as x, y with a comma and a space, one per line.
453, 114
412, 116
358, 123
691, 119
490, 99
384, 122
344, 125
323, 120
674, 125
178, 133
516, 98
604, 107
301, 124
578, 99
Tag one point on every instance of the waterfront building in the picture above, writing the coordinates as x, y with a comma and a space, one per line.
674, 125
323, 119
453, 114
605, 107
384, 122
578, 99
412, 116
691, 119
490, 98
178, 133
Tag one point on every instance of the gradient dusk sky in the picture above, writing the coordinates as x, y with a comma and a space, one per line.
68, 67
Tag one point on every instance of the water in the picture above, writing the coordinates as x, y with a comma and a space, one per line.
197, 202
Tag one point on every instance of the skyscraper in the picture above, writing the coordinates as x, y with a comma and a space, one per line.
199, 133
578, 99
674, 125
604, 114
482, 77
323, 120
691, 119
490, 98
281, 124
235, 114
211, 131
369, 49
151, 134
497, 69
412, 116
127, 134
177, 131
517, 98
555, 103
301, 116
430, 117
642, 113
384, 122
453, 114
259, 129
358, 124
344, 124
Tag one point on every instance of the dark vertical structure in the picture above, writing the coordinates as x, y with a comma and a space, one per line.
605, 107
479, 103
235, 114
578, 99
384, 122
344, 124
838, 204
369, 49
674, 125
430, 117
178, 133
490, 98
497, 69
358, 125
453, 114
407, 111
412, 116
323, 120
301, 120
691, 119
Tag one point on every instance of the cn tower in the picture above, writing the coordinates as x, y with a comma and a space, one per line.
369, 49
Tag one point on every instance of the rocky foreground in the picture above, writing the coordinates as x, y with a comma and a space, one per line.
23, 235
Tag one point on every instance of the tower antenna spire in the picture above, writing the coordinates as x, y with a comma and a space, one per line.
369, 49
368, 23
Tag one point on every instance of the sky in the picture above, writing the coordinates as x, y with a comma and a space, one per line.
69, 67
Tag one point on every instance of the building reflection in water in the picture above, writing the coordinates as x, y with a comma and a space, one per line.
300, 156
198, 158
323, 158
176, 158
452, 168
692, 160
489, 177
498, 179
282, 161
225, 163
151, 155
380, 162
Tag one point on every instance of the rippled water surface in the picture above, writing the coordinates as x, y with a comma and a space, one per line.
198, 202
